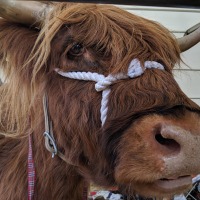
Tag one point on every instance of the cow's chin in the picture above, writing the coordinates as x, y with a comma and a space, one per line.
159, 188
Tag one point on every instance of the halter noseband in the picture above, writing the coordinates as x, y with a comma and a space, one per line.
102, 84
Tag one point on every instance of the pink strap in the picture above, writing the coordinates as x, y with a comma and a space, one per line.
31, 171
31, 174
85, 193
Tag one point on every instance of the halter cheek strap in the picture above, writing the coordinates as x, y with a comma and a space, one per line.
50, 143
135, 69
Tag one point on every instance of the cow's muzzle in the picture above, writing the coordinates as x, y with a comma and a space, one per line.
181, 158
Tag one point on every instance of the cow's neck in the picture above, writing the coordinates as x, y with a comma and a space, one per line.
56, 179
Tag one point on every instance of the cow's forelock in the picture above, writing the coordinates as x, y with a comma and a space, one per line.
118, 37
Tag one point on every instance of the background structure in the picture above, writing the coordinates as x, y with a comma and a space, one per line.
163, 3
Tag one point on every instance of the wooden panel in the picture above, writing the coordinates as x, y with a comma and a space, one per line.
177, 20
191, 58
169, 3
197, 101
189, 82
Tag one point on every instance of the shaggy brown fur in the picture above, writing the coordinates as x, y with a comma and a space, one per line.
111, 38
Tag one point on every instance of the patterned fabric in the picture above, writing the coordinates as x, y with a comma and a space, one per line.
85, 193
107, 195
31, 171
192, 194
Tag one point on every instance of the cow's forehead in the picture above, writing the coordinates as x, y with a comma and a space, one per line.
122, 35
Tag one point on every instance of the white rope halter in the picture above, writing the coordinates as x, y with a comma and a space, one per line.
103, 82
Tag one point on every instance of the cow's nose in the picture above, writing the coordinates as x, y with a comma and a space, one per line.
167, 140
180, 148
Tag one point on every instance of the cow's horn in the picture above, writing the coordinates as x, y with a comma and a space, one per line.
188, 41
25, 12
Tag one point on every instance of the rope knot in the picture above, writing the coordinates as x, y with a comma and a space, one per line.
135, 69
104, 83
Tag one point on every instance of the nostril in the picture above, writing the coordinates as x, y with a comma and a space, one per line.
170, 145
165, 141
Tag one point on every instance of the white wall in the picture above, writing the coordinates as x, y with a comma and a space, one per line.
178, 21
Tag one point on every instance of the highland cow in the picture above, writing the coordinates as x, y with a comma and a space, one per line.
94, 85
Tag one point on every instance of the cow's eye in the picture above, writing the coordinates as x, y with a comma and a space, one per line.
76, 50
